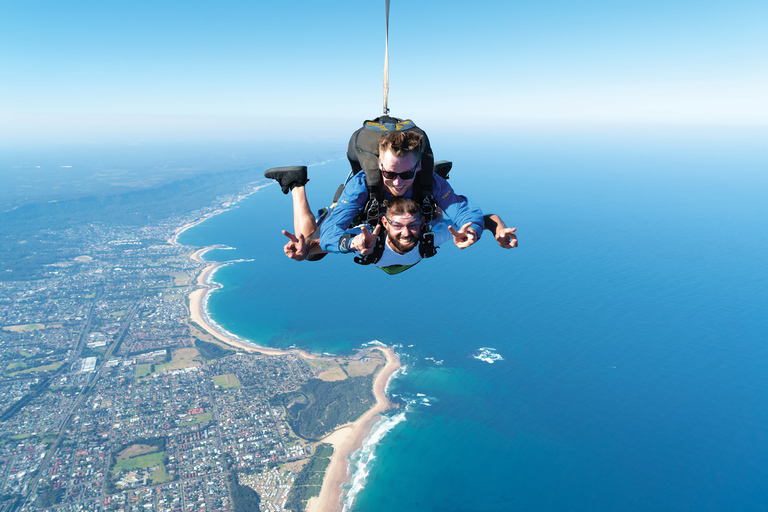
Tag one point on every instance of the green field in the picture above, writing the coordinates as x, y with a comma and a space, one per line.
227, 381
44, 368
140, 462
150, 460
24, 328
317, 364
199, 418
143, 370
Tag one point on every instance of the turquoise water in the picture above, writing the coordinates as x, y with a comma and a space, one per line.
631, 323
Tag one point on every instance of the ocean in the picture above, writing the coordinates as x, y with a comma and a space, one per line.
616, 360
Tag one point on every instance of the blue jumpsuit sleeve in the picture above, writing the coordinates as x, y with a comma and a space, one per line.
456, 207
351, 201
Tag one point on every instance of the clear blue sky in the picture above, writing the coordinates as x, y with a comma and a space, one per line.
100, 69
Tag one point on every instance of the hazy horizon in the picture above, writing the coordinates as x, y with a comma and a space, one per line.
85, 71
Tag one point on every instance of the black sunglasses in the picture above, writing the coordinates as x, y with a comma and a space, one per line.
407, 175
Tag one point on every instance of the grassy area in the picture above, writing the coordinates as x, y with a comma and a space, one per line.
153, 462
160, 476
318, 364
176, 365
135, 450
173, 296
180, 279
143, 370
44, 368
227, 381
140, 462
19, 437
334, 373
184, 353
198, 418
118, 313
24, 328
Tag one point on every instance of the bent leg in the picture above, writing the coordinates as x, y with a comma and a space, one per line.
303, 220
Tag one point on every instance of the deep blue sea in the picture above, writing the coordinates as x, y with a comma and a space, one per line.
630, 326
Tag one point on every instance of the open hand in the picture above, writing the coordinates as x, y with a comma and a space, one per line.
464, 237
296, 248
365, 241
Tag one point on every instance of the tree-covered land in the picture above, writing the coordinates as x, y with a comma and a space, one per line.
244, 499
211, 351
330, 404
310, 479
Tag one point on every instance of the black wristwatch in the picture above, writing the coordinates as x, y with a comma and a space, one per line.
344, 242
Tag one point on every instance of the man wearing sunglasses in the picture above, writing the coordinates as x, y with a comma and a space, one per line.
402, 222
399, 163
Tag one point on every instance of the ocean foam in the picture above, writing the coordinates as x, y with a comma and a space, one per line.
488, 354
360, 461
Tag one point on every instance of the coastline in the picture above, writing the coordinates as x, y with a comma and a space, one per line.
347, 438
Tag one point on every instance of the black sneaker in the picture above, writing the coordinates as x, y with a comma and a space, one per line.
288, 177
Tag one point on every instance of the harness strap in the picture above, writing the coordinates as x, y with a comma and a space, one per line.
378, 251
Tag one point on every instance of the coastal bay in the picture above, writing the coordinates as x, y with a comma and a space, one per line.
346, 438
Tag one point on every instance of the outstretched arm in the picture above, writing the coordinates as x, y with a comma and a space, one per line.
505, 236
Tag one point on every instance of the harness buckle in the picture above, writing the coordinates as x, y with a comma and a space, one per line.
427, 247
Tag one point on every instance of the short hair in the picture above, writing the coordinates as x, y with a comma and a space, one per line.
402, 206
401, 143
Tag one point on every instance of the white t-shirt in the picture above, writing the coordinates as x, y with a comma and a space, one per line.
392, 262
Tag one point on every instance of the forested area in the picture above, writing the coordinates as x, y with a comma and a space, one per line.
244, 499
332, 404
211, 351
310, 479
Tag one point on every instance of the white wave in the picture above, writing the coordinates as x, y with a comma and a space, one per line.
360, 461
374, 342
488, 355
395, 374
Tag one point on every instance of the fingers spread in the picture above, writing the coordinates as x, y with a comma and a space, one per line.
290, 236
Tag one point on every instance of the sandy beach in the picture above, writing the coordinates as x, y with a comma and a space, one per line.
350, 437
197, 311
347, 438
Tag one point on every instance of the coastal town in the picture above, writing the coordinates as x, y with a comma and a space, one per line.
119, 394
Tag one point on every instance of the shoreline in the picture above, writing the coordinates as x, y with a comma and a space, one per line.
350, 437
346, 439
